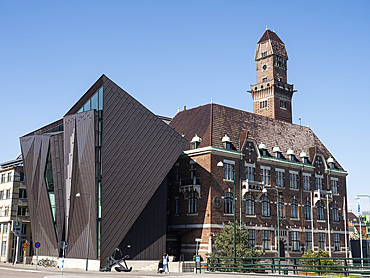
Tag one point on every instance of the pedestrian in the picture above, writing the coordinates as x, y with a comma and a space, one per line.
165, 263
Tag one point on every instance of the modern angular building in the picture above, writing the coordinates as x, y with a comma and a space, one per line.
116, 154
259, 151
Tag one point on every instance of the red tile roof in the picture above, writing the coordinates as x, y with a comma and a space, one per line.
212, 121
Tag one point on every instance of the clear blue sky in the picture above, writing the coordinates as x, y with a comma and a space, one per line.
168, 54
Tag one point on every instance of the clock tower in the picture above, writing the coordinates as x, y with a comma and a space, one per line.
272, 95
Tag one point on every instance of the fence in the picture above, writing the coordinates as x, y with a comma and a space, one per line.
291, 265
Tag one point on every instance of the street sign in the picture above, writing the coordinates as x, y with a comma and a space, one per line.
37, 245
197, 259
25, 245
24, 249
16, 227
63, 245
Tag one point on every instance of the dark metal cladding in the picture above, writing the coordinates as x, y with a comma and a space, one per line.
138, 151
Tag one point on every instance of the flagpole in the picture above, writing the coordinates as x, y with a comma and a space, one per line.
313, 242
359, 217
345, 225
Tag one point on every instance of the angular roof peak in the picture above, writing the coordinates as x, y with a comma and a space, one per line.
269, 35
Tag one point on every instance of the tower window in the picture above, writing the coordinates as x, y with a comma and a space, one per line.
263, 104
283, 104
264, 67
264, 54
264, 79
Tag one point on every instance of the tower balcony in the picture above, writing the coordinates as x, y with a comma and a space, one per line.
190, 185
322, 195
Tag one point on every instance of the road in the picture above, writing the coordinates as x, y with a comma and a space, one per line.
29, 271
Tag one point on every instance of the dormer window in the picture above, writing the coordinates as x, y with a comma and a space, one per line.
304, 157
291, 155
276, 150
263, 149
195, 142
226, 142
331, 163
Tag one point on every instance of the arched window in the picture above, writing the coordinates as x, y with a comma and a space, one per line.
307, 211
265, 206
294, 209
335, 213
249, 205
228, 203
281, 208
193, 203
320, 211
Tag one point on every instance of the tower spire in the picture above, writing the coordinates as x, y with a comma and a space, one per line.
272, 95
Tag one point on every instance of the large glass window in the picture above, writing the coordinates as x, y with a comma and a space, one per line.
228, 203
295, 241
335, 213
265, 206
307, 211
334, 186
193, 203
95, 102
265, 176
280, 178
228, 171
336, 242
306, 183
281, 208
294, 209
319, 181
320, 211
249, 205
266, 240
251, 238
22, 194
22, 211
322, 241
308, 240
50, 187
293, 180
249, 173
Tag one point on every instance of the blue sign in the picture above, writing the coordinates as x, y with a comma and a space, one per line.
197, 259
37, 245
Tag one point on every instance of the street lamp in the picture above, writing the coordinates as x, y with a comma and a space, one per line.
88, 228
264, 190
221, 164
357, 197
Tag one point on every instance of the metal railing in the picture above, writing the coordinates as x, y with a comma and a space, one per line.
290, 265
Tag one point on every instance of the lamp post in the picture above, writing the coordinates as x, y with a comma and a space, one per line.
88, 228
264, 190
221, 164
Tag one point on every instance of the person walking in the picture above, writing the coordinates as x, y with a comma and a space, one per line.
165, 263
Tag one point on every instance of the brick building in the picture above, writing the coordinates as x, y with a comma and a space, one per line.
257, 150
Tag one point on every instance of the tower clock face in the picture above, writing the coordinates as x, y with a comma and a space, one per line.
264, 67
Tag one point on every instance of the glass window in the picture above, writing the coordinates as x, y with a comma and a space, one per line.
228, 171
1, 213
293, 180
7, 194
87, 105
320, 211
335, 213
2, 178
307, 211
9, 177
22, 211
319, 183
334, 186
265, 176
266, 240
306, 183
249, 173
294, 209
251, 238
279, 178
24, 229
94, 102
308, 240
22, 193
1, 194
176, 206
6, 228
100, 92
281, 208
193, 203
322, 241
6, 212
228, 203
3, 249
192, 171
336, 242
265, 206
249, 205
295, 241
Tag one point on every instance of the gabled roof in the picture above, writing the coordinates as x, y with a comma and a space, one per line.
269, 35
212, 121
